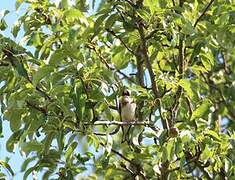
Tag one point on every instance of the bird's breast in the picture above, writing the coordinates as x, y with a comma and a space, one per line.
128, 112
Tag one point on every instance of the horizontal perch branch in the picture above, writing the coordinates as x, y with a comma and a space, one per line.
121, 123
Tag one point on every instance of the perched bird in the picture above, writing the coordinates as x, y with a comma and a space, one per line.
128, 107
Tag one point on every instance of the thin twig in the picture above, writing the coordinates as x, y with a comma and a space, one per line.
124, 44
118, 153
103, 60
203, 13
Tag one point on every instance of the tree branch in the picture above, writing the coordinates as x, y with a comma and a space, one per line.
121, 123
203, 13
118, 153
147, 60
178, 95
42, 110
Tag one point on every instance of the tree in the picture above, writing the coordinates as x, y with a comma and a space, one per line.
176, 57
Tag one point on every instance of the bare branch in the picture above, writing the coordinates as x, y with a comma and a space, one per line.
121, 123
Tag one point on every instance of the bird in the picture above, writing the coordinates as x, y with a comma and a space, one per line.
127, 108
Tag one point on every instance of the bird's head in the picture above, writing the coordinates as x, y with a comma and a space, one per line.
126, 93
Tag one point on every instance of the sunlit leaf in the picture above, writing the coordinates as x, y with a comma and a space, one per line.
41, 73
201, 110
213, 134
70, 151
187, 86
7, 166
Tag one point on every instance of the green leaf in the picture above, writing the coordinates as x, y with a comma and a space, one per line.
93, 140
4, 12
7, 166
35, 39
18, 3
72, 14
41, 73
26, 163
79, 100
69, 152
111, 20
30, 170
99, 21
187, 28
11, 83
198, 70
14, 138
186, 85
14, 116
21, 70
202, 109
60, 140
3, 176
3, 25
170, 149
31, 146
144, 14
119, 60
129, 26
186, 136
56, 57
207, 60
213, 135
81, 107
48, 141
65, 4
207, 153
152, 5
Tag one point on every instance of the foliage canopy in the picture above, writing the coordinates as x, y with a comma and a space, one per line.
61, 99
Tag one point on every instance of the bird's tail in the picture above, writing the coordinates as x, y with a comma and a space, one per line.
126, 134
